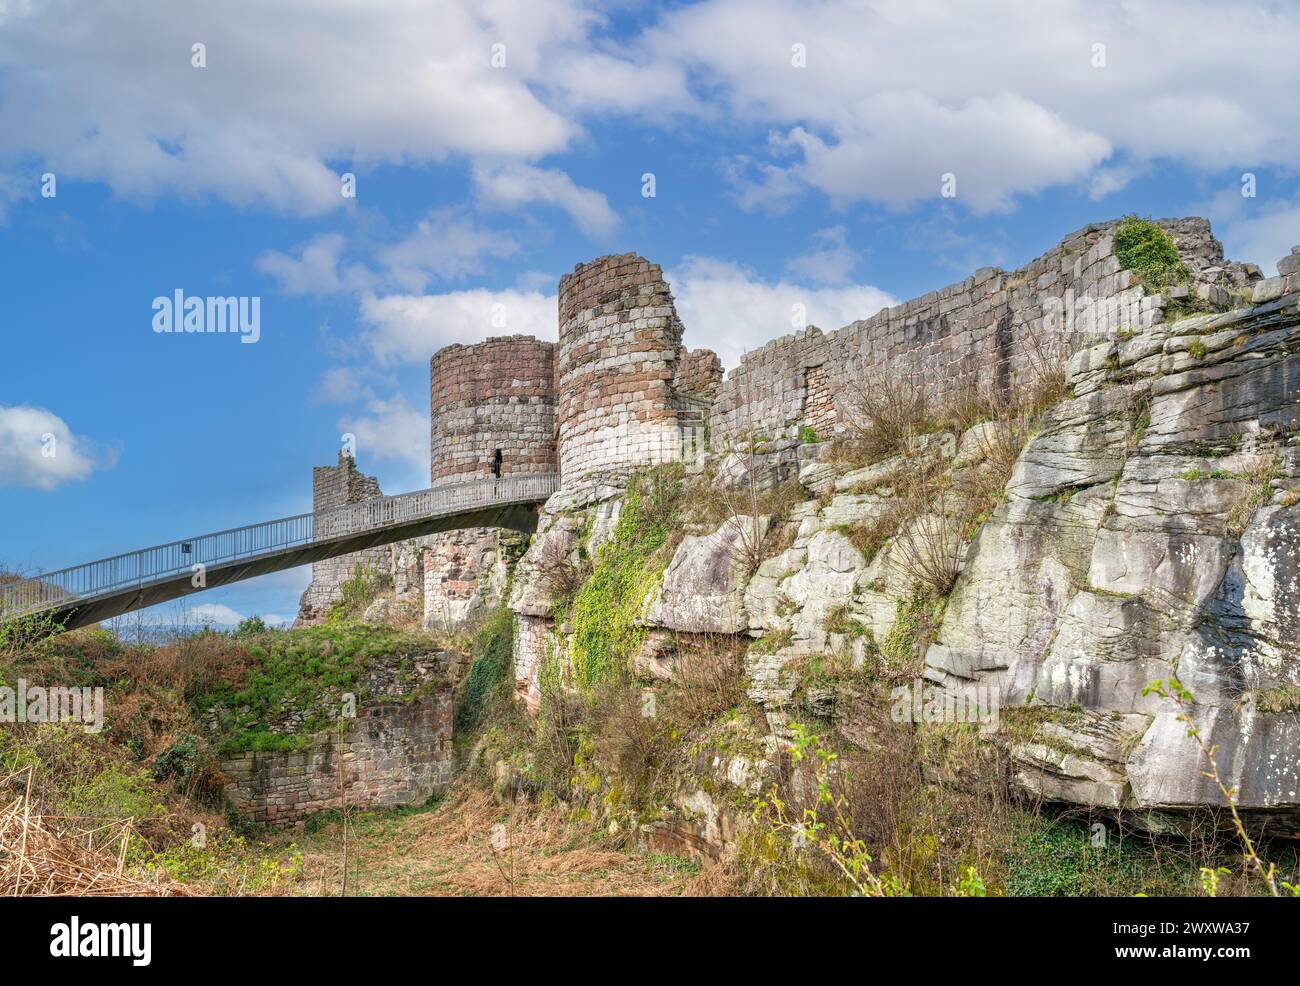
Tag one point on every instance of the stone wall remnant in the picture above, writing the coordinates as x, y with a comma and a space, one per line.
991, 329
336, 486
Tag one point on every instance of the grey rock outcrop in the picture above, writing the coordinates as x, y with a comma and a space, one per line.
1148, 533
704, 586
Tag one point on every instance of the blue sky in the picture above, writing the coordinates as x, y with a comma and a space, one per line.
797, 151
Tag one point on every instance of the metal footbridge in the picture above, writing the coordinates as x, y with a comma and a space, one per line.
109, 587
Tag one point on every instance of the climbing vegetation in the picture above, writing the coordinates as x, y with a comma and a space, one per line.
300, 674
604, 611
490, 671
362, 587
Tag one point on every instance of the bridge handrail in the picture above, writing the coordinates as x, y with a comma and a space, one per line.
166, 561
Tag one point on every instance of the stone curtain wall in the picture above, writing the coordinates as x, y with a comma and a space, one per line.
497, 394
620, 341
464, 575
334, 486
393, 753
990, 328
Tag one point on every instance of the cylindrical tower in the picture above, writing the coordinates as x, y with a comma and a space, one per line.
492, 407
619, 343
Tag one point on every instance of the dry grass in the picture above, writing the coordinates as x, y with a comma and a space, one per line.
883, 417
59, 856
471, 845
929, 519
708, 677
1258, 476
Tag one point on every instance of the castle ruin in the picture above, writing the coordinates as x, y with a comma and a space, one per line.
618, 391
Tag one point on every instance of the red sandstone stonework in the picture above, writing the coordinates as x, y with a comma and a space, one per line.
497, 395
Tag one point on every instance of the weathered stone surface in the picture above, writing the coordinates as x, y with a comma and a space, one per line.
817, 477
976, 442
1117, 556
767, 606
825, 582
535, 640
770, 680
704, 586
533, 592
871, 476
464, 576
847, 509
1079, 758
1116, 562
397, 751
1290, 264
335, 486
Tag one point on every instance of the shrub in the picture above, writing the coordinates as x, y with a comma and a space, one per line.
708, 676
929, 546
364, 586
250, 626
884, 415
562, 573
1144, 248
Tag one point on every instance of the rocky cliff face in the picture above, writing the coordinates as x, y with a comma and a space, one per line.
1147, 531
1150, 530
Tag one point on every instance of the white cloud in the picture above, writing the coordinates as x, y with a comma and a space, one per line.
441, 247
762, 185
107, 92
393, 430
37, 449
1001, 93
219, 614
510, 186
1261, 235
315, 268
832, 261
342, 384
729, 309
411, 328
1109, 180
598, 82
901, 145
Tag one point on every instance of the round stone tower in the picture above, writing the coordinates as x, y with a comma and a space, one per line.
492, 406
620, 339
